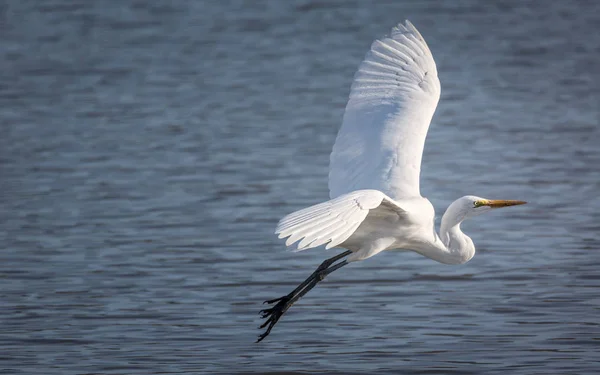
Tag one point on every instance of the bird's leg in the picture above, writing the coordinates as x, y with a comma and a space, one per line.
284, 303
326, 263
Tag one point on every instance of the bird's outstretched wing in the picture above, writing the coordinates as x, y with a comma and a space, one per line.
392, 100
332, 222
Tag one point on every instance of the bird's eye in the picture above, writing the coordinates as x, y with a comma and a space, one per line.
476, 204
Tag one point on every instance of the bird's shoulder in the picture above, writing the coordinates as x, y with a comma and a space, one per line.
418, 209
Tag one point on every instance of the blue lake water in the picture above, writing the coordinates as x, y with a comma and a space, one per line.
148, 149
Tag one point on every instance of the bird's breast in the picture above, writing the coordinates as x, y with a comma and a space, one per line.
404, 230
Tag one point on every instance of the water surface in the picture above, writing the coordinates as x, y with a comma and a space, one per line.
148, 149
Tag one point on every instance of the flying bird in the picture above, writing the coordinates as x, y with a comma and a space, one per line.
374, 173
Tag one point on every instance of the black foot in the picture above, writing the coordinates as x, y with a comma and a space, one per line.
282, 304
273, 314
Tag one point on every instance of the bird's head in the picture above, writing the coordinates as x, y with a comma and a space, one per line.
461, 209
471, 205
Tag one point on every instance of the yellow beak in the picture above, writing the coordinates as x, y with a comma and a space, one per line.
503, 203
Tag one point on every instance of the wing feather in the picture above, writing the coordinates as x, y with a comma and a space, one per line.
392, 100
331, 222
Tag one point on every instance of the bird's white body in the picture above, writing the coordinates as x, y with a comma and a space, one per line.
368, 222
376, 162
385, 229
374, 172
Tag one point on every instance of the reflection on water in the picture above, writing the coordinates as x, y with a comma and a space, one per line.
147, 150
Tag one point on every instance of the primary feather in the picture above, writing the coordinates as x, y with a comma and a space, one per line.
392, 100
331, 222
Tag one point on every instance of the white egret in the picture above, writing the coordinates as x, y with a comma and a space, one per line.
374, 172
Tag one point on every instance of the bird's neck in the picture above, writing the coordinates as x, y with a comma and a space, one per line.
452, 246
460, 248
